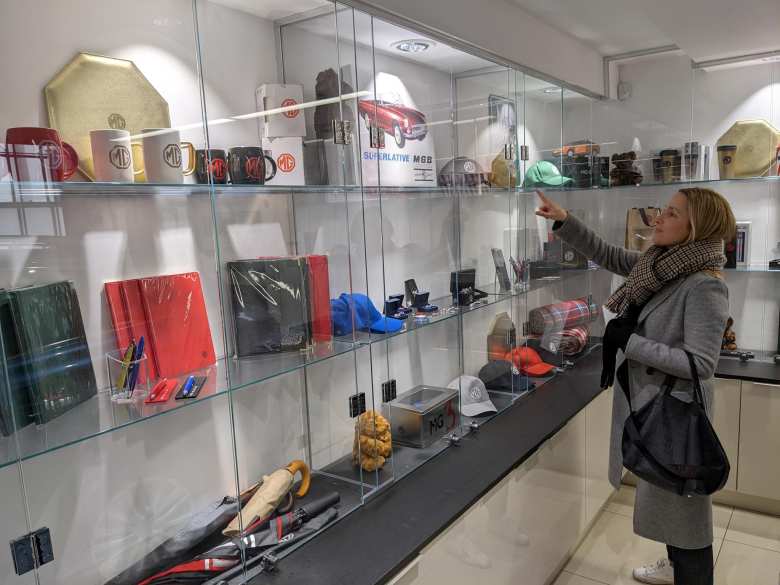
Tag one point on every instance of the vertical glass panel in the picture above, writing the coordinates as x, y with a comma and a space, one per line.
735, 119
650, 118
581, 159
487, 126
14, 411
284, 222
110, 284
562, 315
408, 153
543, 133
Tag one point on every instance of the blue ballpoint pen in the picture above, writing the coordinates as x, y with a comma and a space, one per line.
185, 391
139, 353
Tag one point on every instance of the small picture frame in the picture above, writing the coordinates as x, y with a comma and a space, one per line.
505, 285
743, 243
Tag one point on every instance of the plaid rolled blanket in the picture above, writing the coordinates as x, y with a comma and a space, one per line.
560, 316
568, 342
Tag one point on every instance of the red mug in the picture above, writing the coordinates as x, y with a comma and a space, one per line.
59, 158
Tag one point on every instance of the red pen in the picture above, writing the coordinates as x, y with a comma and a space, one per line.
162, 391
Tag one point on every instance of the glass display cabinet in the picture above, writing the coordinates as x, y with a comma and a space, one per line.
263, 257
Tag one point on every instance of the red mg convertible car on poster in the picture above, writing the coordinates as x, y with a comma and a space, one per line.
400, 122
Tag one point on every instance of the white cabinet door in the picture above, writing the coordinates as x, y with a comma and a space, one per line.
547, 504
523, 529
599, 421
759, 440
464, 554
726, 423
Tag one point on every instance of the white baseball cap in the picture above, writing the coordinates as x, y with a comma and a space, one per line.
474, 398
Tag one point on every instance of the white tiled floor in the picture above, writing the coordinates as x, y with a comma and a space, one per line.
747, 547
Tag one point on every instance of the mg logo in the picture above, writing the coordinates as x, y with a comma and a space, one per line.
217, 168
120, 157
254, 166
172, 155
117, 122
286, 162
286, 104
52, 151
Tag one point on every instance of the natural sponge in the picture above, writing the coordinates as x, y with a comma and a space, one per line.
373, 443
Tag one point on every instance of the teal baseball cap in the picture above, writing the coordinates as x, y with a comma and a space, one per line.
544, 174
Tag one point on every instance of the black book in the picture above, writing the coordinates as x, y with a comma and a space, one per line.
270, 305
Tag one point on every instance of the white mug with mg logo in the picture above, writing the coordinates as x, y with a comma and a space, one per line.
163, 156
112, 155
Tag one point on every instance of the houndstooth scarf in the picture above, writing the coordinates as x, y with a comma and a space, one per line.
659, 266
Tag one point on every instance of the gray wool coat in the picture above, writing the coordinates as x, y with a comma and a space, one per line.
690, 314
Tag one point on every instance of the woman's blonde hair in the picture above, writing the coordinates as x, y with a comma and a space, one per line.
711, 217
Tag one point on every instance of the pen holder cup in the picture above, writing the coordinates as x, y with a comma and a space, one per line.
121, 375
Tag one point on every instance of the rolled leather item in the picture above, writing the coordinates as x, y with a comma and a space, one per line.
269, 495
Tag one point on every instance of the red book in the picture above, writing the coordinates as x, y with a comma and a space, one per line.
131, 297
319, 301
127, 316
177, 322
121, 322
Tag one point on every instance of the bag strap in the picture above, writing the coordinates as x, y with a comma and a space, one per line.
698, 393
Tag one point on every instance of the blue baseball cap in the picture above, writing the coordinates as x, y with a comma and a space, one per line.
366, 317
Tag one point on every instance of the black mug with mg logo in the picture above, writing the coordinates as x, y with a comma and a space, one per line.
249, 165
212, 163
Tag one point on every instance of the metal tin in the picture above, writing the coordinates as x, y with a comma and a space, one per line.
423, 415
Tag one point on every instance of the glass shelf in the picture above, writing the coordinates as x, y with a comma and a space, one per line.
83, 188
448, 311
100, 415
90, 188
646, 185
753, 268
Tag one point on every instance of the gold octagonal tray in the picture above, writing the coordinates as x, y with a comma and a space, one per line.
93, 92
756, 142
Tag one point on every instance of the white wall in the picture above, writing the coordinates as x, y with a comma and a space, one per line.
507, 30
159, 37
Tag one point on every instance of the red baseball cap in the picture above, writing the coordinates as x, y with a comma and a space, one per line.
528, 361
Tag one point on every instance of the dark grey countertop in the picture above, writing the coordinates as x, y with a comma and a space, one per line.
752, 370
371, 544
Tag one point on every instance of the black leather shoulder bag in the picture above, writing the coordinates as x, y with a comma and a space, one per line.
671, 443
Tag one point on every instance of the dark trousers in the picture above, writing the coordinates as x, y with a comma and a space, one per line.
691, 567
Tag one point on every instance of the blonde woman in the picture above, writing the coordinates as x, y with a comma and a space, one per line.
673, 300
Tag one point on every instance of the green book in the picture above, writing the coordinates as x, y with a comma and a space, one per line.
53, 346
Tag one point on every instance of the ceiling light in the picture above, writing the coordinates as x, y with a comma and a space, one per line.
551, 89
413, 45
